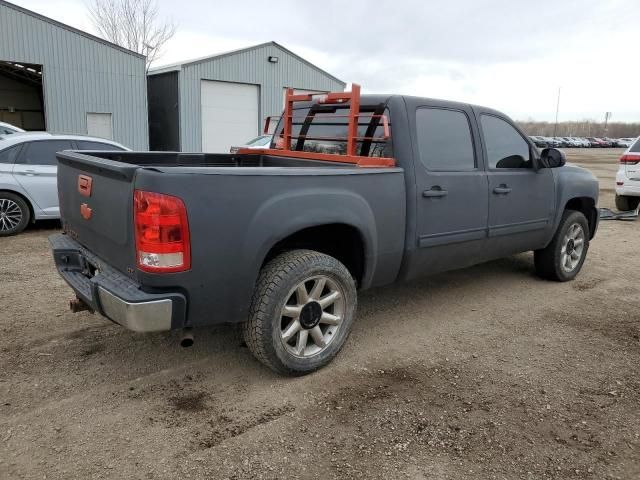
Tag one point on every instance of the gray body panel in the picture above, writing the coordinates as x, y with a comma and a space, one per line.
240, 206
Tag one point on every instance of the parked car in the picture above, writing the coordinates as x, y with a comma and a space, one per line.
570, 142
28, 167
539, 142
281, 239
628, 178
582, 142
562, 142
261, 141
624, 142
552, 142
598, 142
8, 129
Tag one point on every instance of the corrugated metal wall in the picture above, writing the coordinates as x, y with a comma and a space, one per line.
251, 66
80, 75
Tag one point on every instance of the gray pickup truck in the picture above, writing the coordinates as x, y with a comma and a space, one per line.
354, 192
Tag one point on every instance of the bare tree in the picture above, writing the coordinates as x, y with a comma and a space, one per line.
133, 24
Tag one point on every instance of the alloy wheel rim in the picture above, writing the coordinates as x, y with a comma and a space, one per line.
572, 248
10, 214
312, 316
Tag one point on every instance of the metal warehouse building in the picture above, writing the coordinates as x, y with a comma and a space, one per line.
213, 103
57, 78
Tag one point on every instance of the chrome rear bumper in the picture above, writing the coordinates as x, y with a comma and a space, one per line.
153, 316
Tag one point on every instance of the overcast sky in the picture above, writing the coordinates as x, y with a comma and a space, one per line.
509, 55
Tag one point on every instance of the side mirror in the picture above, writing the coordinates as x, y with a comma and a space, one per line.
552, 158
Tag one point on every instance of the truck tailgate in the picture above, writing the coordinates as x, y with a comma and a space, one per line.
96, 197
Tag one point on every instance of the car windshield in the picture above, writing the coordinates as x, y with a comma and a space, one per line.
259, 141
636, 146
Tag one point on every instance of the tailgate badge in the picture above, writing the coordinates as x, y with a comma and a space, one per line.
85, 183
86, 211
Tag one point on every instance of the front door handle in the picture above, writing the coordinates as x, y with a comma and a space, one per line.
29, 172
502, 190
435, 191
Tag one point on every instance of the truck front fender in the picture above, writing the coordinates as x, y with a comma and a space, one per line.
572, 184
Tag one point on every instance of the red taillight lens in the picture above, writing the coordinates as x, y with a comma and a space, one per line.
630, 158
162, 232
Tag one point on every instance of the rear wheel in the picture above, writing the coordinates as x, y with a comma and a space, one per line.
14, 214
301, 313
624, 203
563, 258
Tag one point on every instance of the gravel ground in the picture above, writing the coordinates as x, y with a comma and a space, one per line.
485, 373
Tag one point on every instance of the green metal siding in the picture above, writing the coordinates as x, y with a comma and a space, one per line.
81, 74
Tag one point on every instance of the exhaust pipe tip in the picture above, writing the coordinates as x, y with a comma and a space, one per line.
186, 339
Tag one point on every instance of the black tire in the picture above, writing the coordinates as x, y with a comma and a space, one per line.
548, 261
624, 203
275, 288
9, 202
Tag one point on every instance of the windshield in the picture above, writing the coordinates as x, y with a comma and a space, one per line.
260, 141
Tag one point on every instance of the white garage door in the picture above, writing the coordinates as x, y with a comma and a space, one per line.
229, 115
100, 125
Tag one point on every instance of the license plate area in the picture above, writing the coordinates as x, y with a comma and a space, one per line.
73, 261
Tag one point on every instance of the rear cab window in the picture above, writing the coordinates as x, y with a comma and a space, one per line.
323, 129
444, 140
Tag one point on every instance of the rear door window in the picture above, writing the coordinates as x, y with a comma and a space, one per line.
9, 155
444, 140
43, 152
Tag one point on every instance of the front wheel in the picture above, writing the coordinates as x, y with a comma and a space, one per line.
301, 313
563, 258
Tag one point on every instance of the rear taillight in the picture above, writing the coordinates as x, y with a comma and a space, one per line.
630, 159
162, 232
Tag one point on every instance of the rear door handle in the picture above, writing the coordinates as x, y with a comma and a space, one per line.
502, 190
29, 172
435, 192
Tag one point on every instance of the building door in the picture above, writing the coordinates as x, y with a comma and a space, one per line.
100, 125
230, 114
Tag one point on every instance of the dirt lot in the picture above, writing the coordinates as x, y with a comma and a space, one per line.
487, 372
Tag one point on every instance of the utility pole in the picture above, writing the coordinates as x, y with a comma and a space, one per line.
607, 116
555, 126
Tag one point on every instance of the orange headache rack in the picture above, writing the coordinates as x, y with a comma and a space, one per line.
352, 138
